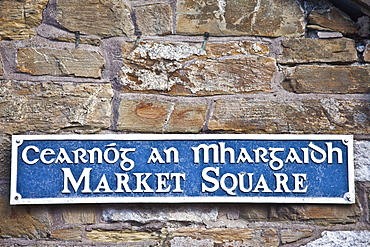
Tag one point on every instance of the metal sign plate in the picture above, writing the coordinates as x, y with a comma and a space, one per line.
143, 168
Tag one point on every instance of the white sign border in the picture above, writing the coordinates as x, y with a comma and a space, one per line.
16, 198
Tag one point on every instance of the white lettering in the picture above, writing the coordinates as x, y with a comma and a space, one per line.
46, 152
216, 171
68, 176
24, 154
103, 185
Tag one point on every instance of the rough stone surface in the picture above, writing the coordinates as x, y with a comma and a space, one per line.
251, 212
110, 17
260, 18
342, 238
362, 160
367, 53
308, 116
1, 67
78, 214
339, 79
23, 221
125, 235
161, 116
194, 214
230, 236
316, 214
290, 236
18, 18
187, 118
5, 146
154, 19
184, 69
143, 116
52, 107
333, 19
73, 234
53, 62
317, 50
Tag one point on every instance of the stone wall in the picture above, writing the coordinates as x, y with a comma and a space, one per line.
269, 66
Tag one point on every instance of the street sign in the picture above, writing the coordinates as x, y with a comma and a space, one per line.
179, 168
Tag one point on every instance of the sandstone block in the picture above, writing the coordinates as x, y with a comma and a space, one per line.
23, 221
110, 17
367, 53
161, 116
5, 146
125, 235
225, 236
184, 69
329, 79
231, 17
187, 118
317, 50
78, 214
290, 236
333, 19
308, 116
318, 214
73, 234
143, 116
18, 18
154, 19
76, 63
51, 107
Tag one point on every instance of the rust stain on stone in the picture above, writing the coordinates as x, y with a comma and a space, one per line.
149, 111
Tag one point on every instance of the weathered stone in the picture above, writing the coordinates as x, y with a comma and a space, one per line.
362, 160
18, 18
187, 118
333, 19
143, 115
367, 53
317, 50
23, 221
1, 66
154, 19
290, 236
110, 17
77, 63
308, 116
144, 215
342, 238
161, 116
188, 241
77, 214
52, 107
252, 212
90, 41
339, 79
318, 214
5, 146
260, 18
184, 69
73, 234
125, 235
229, 236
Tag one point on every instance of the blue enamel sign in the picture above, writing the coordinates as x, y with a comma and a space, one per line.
146, 168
